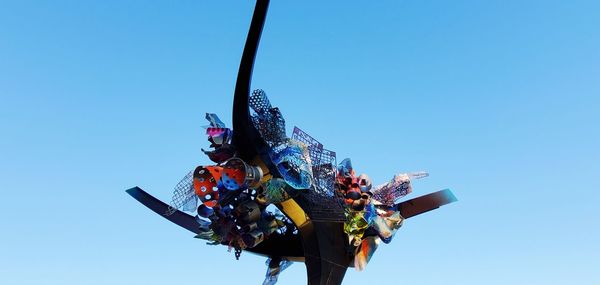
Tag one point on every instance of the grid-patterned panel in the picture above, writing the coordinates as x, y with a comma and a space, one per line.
258, 101
267, 120
397, 188
323, 200
184, 196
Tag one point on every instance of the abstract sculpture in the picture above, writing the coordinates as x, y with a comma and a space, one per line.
285, 197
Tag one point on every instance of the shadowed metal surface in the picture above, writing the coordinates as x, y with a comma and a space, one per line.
246, 138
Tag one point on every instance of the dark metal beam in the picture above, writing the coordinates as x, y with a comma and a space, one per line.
246, 138
425, 203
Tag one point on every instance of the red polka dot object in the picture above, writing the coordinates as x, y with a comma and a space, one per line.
205, 186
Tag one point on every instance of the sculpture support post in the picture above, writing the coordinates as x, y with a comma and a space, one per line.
323, 243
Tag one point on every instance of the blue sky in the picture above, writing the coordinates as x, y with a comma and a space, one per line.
498, 100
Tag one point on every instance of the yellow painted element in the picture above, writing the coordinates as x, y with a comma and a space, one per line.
291, 209
266, 174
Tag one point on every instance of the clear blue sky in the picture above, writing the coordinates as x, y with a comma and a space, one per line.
498, 100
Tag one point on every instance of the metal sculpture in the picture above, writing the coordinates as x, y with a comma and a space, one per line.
283, 197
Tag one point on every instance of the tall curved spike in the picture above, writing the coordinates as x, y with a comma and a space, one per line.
246, 138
